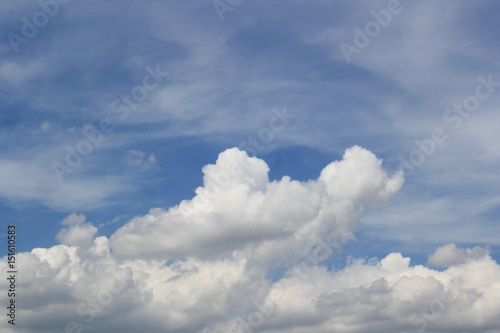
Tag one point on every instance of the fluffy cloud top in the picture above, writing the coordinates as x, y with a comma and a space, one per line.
449, 255
78, 233
201, 266
238, 209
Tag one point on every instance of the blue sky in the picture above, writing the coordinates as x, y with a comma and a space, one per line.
271, 78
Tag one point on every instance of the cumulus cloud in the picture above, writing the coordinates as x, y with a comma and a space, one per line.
383, 296
239, 209
78, 233
449, 255
73, 219
201, 266
97, 293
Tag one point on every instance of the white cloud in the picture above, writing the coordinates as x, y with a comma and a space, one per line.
221, 296
449, 255
204, 270
228, 239
74, 219
78, 233
239, 209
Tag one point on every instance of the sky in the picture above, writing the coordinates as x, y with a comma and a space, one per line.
250, 166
